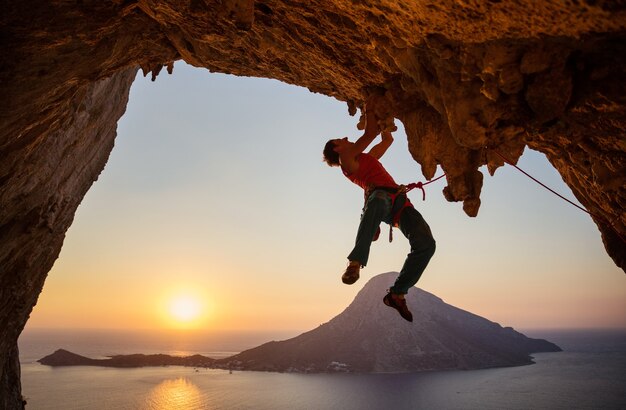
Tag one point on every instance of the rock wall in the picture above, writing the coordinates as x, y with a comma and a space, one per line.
49, 174
469, 79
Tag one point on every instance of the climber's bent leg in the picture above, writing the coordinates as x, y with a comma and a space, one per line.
417, 231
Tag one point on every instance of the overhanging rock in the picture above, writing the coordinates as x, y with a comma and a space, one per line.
464, 77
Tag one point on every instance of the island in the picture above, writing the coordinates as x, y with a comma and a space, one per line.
63, 357
367, 337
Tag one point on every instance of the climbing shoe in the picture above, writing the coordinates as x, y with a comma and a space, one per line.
351, 274
398, 304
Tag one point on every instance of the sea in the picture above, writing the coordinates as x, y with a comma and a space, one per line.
590, 373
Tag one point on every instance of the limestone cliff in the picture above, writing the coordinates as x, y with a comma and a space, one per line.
467, 78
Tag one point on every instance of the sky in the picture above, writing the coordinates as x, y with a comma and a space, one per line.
216, 213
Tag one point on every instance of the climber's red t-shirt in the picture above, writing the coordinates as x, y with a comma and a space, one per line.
371, 173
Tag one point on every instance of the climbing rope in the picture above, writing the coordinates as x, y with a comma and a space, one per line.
406, 188
598, 217
420, 185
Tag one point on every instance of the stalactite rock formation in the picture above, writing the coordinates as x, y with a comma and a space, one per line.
470, 80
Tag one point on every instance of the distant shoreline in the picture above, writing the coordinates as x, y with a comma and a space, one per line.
65, 358
568, 339
62, 357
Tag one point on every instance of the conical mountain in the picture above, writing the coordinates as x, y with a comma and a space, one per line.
371, 337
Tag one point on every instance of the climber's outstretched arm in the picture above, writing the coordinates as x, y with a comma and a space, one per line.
371, 130
379, 149
349, 151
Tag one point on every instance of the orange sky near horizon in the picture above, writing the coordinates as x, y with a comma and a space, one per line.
216, 190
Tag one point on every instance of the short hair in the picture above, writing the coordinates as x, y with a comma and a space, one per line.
330, 156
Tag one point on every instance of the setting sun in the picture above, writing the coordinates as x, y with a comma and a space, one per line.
185, 308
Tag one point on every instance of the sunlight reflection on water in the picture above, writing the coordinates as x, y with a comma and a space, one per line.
179, 393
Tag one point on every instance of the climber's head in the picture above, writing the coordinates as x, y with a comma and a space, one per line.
332, 149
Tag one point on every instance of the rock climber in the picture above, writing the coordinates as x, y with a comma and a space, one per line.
386, 202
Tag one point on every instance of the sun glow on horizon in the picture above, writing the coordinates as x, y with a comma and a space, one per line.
186, 310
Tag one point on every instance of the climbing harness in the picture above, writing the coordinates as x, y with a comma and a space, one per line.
399, 201
598, 217
404, 189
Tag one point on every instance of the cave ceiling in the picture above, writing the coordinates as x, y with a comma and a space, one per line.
469, 80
